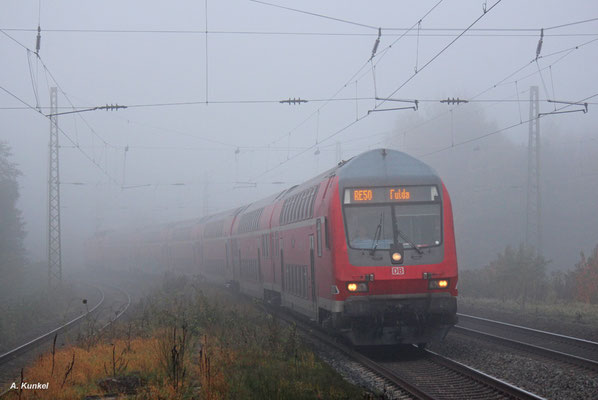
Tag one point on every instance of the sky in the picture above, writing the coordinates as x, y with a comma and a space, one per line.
205, 130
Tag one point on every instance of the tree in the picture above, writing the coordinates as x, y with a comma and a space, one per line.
12, 232
515, 274
586, 274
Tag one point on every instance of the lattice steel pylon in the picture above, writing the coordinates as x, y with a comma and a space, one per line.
533, 234
54, 245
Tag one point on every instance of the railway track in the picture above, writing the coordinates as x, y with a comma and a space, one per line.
442, 378
102, 314
565, 349
409, 373
26, 347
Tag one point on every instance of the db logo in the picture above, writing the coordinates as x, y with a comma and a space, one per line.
398, 270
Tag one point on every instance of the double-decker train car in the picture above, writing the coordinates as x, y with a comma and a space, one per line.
366, 248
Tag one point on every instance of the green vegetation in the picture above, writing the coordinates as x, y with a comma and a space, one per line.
520, 276
189, 340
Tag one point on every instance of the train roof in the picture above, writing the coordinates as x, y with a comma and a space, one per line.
385, 167
376, 167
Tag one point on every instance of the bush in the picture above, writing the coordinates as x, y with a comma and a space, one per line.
515, 275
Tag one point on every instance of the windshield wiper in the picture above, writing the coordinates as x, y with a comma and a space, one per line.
376, 236
409, 241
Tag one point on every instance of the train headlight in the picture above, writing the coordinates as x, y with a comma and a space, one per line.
438, 283
397, 252
357, 287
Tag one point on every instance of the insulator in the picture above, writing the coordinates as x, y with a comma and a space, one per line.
539, 48
39, 40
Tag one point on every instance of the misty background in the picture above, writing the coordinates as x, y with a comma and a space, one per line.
205, 130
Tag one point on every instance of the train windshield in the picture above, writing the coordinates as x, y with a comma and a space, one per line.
370, 227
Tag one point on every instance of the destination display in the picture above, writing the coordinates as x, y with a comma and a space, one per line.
391, 194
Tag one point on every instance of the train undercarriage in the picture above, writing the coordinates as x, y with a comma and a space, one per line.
389, 321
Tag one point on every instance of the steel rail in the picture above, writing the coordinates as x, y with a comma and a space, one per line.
503, 387
378, 369
530, 348
10, 355
571, 339
498, 386
34, 343
121, 312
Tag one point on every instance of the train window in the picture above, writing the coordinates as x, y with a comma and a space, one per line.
369, 226
319, 235
420, 223
301, 213
299, 206
305, 205
373, 226
291, 209
265, 249
284, 212
290, 212
312, 197
267, 245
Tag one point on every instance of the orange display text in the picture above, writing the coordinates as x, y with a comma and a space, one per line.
399, 194
362, 195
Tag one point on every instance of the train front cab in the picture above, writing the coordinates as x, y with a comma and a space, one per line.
410, 299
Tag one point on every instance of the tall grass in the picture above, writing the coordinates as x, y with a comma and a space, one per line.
192, 341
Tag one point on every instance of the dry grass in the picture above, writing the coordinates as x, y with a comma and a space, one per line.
88, 368
191, 341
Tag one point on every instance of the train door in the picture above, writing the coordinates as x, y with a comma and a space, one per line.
312, 267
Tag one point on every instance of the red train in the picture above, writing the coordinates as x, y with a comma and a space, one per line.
366, 248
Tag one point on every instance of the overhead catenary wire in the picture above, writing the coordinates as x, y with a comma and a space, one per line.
438, 54
241, 102
359, 119
353, 99
67, 136
568, 51
389, 31
347, 82
423, 33
504, 129
315, 14
47, 70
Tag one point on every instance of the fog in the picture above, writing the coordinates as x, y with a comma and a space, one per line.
205, 130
